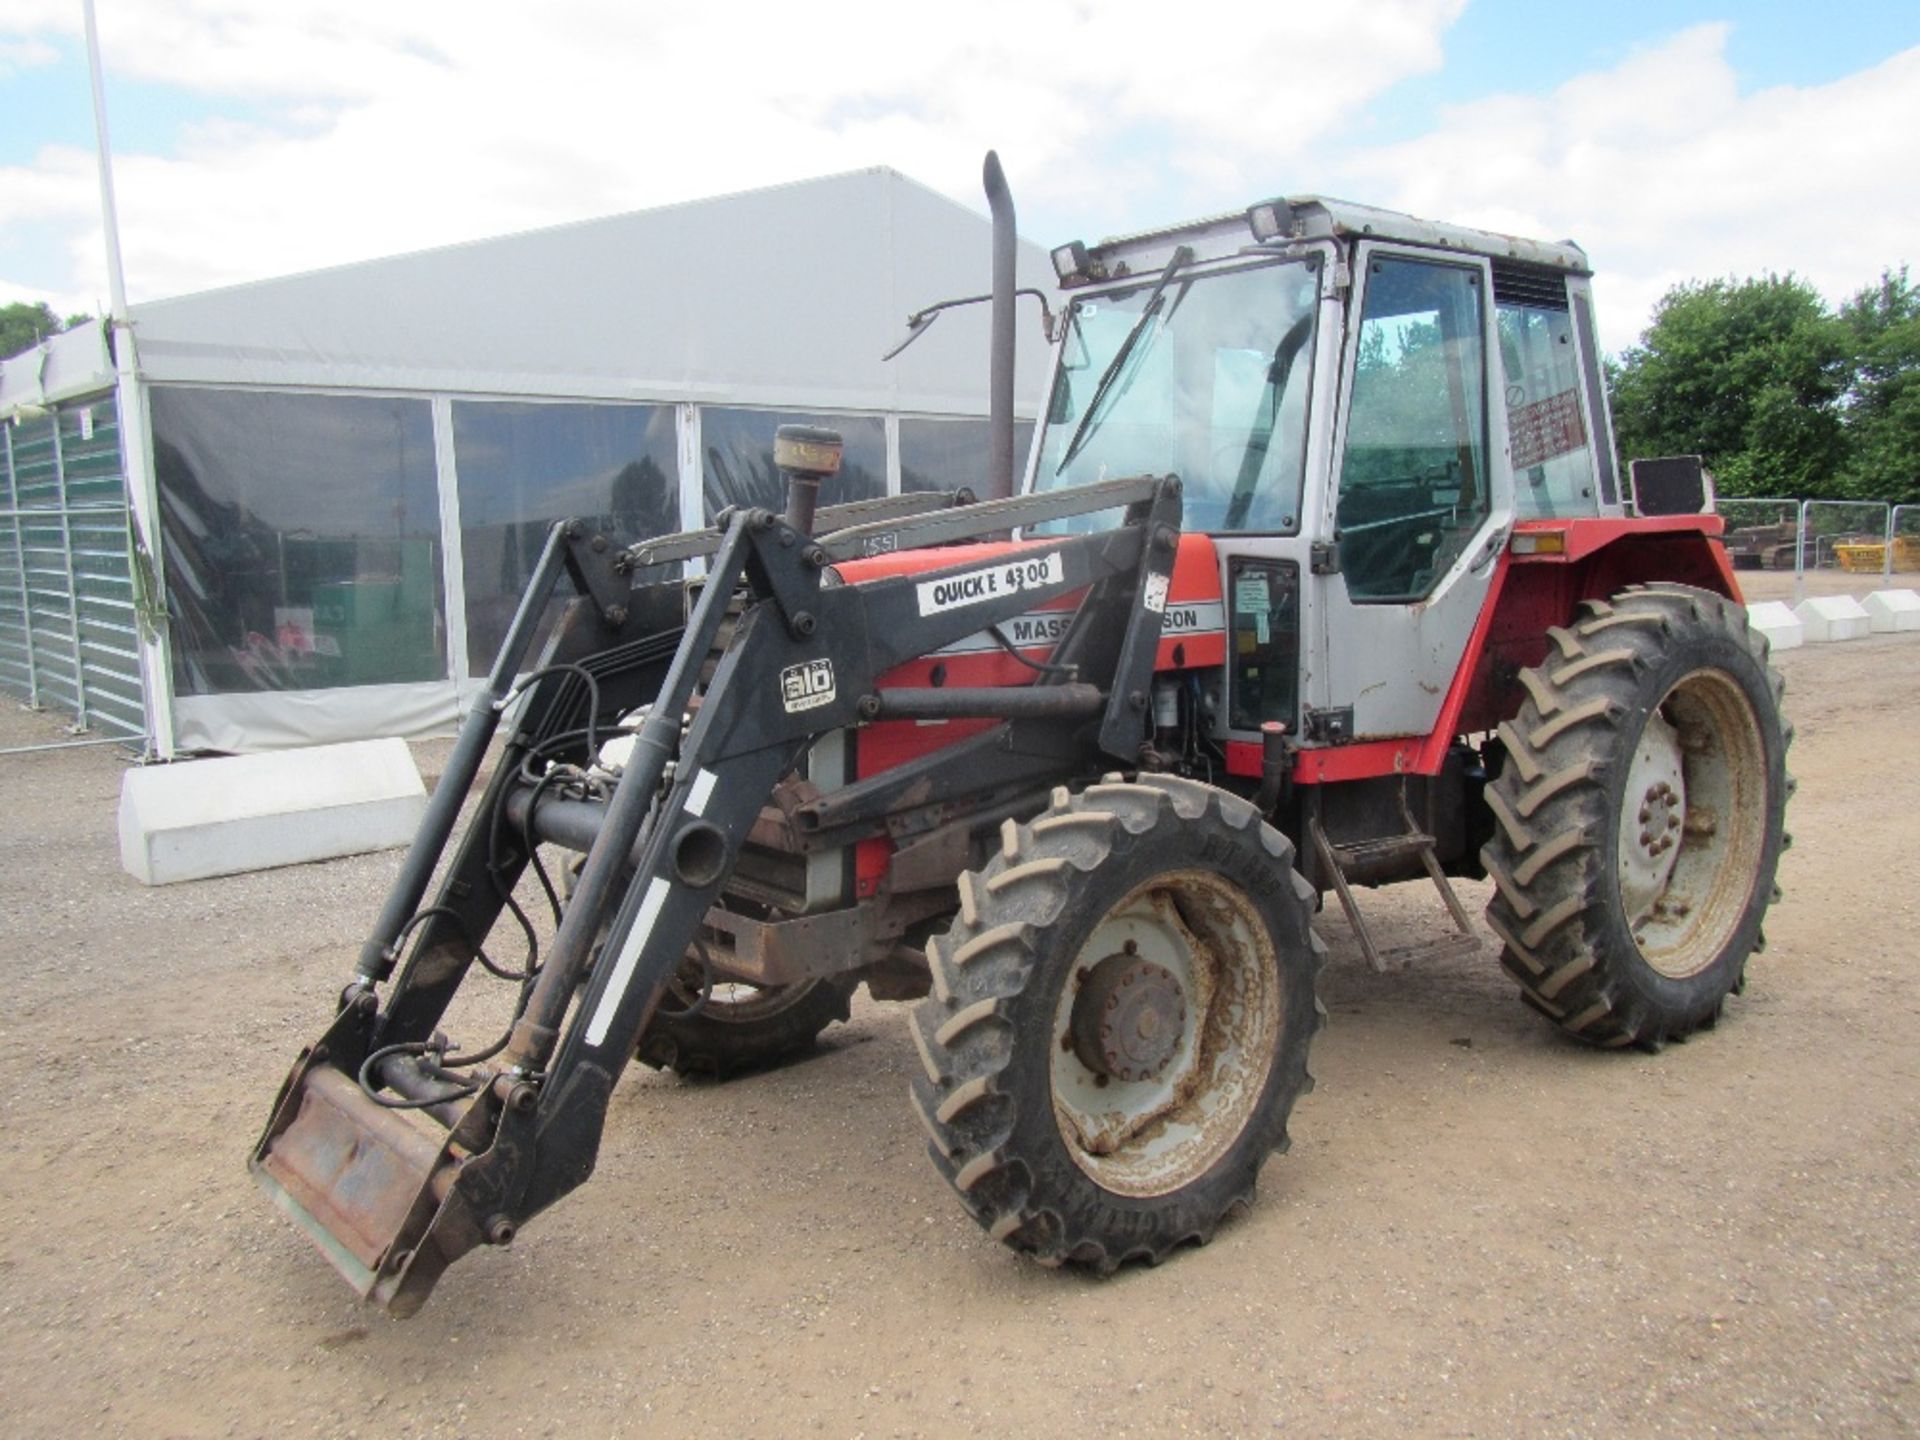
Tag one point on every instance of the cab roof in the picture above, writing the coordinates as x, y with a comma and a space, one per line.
1318, 217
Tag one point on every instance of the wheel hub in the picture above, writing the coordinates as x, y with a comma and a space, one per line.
1128, 1018
1660, 815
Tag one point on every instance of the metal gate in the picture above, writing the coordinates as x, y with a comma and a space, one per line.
68, 634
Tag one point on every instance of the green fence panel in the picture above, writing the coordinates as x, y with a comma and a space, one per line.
68, 638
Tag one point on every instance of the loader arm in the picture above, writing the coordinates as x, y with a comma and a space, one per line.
397, 1156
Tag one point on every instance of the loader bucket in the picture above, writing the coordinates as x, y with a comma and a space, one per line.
370, 1186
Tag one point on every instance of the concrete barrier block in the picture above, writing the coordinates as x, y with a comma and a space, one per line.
199, 818
1832, 617
1775, 620
1889, 611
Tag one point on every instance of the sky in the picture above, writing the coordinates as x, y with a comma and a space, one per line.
254, 138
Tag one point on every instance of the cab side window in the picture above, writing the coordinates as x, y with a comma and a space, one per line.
1553, 472
1413, 484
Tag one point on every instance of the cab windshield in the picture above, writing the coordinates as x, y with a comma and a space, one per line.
1212, 387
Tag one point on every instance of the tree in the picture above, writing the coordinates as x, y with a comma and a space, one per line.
1749, 375
1882, 409
22, 326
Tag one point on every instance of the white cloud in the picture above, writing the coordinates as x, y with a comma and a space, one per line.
432, 121
1665, 172
18, 55
382, 128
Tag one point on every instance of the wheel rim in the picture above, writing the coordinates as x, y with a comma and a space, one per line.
1692, 824
1165, 1034
735, 1001
731, 1002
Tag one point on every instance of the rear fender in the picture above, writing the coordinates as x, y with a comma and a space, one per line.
1541, 591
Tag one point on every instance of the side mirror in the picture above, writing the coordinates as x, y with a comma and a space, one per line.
921, 320
1670, 485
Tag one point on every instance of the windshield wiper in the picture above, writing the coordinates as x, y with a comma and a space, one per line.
1254, 457
1084, 430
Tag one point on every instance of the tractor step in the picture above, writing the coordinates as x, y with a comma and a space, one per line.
1339, 859
1390, 847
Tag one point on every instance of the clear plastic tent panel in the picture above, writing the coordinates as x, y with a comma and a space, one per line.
302, 539
523, 466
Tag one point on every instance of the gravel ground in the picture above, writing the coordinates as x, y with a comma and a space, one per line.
1481, 1230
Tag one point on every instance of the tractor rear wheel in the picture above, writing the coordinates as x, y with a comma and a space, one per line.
1119, 1021
1639, 816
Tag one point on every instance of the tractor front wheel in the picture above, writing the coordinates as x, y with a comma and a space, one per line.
1119, 1021
1639, 816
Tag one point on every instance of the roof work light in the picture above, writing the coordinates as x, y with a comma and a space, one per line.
1270, 220
1072, 264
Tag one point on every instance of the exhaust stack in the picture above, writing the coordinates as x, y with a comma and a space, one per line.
1000, 369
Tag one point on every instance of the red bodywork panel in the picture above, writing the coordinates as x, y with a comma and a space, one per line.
1528, 594
1193, 635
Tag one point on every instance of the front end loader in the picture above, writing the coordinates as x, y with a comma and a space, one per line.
399, 1154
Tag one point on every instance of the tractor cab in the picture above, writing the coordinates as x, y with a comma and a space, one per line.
1361, 407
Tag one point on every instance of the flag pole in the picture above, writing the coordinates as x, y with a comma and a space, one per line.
145, 557
109, 214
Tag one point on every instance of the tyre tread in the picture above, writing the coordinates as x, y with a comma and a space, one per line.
964, 1031
1549, 803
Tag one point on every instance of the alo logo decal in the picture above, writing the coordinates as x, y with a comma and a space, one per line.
807, 686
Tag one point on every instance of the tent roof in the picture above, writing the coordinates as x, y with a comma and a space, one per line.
61, 367
785, 296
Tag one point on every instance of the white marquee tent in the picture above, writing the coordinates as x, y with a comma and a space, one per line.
299, 510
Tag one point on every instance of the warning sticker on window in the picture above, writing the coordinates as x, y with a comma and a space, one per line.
807, 686
1154, 595
1546, 428
1250, 595
1008, 577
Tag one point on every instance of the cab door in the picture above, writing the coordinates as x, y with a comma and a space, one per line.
1420, 495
